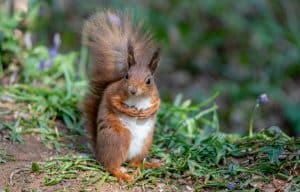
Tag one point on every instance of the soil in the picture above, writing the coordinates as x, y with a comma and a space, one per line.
16, 173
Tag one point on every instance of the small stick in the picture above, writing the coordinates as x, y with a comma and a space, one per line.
15, 172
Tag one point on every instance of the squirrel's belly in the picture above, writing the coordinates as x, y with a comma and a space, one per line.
140, 129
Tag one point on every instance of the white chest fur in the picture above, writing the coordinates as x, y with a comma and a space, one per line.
139, 128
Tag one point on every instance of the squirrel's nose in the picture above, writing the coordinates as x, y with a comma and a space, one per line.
132, 90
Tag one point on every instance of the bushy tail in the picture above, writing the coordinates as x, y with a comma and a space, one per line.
90, 106
107, 35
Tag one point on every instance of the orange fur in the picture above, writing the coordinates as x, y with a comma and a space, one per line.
124, 61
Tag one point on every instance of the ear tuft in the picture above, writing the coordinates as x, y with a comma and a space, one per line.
130, 57
154, 60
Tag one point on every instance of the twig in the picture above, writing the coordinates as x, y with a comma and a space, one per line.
15, 172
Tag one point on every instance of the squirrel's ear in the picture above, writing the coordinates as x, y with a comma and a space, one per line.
154, 60
130, 57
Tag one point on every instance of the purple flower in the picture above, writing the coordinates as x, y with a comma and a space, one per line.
41, 65
52, 52
263, 98
56, 44
231, 186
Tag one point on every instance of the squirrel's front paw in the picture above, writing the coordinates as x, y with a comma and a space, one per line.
131, 107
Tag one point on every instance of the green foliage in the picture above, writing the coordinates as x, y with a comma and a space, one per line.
14, 132
252, 44
35, 167
273, 152
214, 156
9, 44
44, 107
51, 95
43, 95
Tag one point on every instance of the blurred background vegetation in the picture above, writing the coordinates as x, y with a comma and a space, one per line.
239, 48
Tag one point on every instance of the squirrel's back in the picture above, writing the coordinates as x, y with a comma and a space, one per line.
107, 35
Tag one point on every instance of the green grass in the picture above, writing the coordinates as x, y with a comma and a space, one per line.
5, 157
38, 110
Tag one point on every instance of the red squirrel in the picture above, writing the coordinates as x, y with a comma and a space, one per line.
120, 110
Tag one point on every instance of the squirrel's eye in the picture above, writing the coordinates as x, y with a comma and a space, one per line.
148, 81
126, 76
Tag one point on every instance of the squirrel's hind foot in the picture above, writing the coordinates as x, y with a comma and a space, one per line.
121, 176
147, 165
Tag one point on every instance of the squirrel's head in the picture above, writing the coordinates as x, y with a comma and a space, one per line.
139, 79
